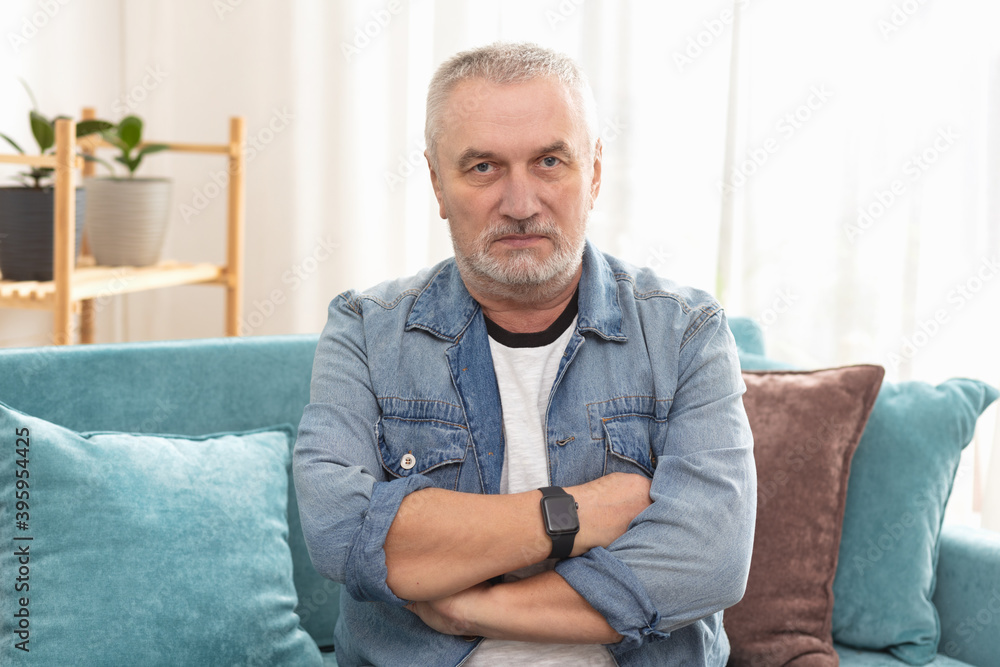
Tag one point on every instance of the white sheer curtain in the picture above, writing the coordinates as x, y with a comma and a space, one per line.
655, 207
822, 109
864, 184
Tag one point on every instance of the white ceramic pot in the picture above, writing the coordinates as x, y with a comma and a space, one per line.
127, 219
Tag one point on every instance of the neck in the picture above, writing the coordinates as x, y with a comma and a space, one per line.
524, 310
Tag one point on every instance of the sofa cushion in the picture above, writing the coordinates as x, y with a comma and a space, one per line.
900, 482
187, 387
147, 549
806, 426
748, 334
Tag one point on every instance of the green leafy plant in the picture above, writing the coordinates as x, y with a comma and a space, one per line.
127, 136
44, 131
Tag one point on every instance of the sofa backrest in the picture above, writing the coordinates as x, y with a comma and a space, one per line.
190, 387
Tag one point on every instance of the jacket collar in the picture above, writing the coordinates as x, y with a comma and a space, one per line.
445, 308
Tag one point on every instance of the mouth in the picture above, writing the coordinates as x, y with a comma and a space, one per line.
520, 240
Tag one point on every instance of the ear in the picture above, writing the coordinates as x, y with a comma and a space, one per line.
436, 184
595, 183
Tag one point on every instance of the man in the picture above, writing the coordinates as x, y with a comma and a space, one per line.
531, 453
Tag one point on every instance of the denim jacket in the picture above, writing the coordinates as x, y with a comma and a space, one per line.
404, 397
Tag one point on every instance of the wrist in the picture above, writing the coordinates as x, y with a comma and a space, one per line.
471, 615
560, 520
585, 514
487, 613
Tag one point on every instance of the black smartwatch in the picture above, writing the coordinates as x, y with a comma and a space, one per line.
560, 520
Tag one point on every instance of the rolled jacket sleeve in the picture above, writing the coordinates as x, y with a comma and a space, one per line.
687, 555
346, 502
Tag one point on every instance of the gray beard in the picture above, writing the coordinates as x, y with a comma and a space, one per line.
519, 276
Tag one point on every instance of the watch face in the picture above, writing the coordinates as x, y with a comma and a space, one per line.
560, 515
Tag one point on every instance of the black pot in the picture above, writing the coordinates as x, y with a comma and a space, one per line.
26, 221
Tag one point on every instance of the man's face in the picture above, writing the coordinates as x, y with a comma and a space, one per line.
516, 180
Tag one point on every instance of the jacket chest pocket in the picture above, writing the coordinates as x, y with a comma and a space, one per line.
633, 428
422, 438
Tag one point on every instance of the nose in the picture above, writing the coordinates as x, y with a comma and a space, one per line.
519, 197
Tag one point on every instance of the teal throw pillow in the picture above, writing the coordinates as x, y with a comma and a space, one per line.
901, 477
128, 549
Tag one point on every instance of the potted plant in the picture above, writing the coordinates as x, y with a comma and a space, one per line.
127, 217
27, 210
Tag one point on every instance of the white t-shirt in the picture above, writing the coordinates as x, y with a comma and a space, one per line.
525, 376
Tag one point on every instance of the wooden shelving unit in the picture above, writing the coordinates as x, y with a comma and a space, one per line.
74, 289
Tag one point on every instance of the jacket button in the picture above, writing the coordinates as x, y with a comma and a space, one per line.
408, 461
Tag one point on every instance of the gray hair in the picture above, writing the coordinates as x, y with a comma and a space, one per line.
505, 63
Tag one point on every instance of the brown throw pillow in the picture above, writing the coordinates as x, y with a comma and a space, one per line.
806, 426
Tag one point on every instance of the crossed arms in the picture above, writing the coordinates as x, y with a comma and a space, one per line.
442, 544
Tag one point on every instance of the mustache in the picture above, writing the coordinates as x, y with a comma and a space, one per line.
507, 226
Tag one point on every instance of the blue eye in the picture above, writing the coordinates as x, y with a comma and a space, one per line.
483, 167
550, 161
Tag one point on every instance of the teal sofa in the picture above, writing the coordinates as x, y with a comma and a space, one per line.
217, 385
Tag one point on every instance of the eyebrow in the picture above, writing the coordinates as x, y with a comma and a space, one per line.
472, 156
560, 147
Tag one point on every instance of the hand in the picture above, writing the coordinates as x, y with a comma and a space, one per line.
454, 614
607, 505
